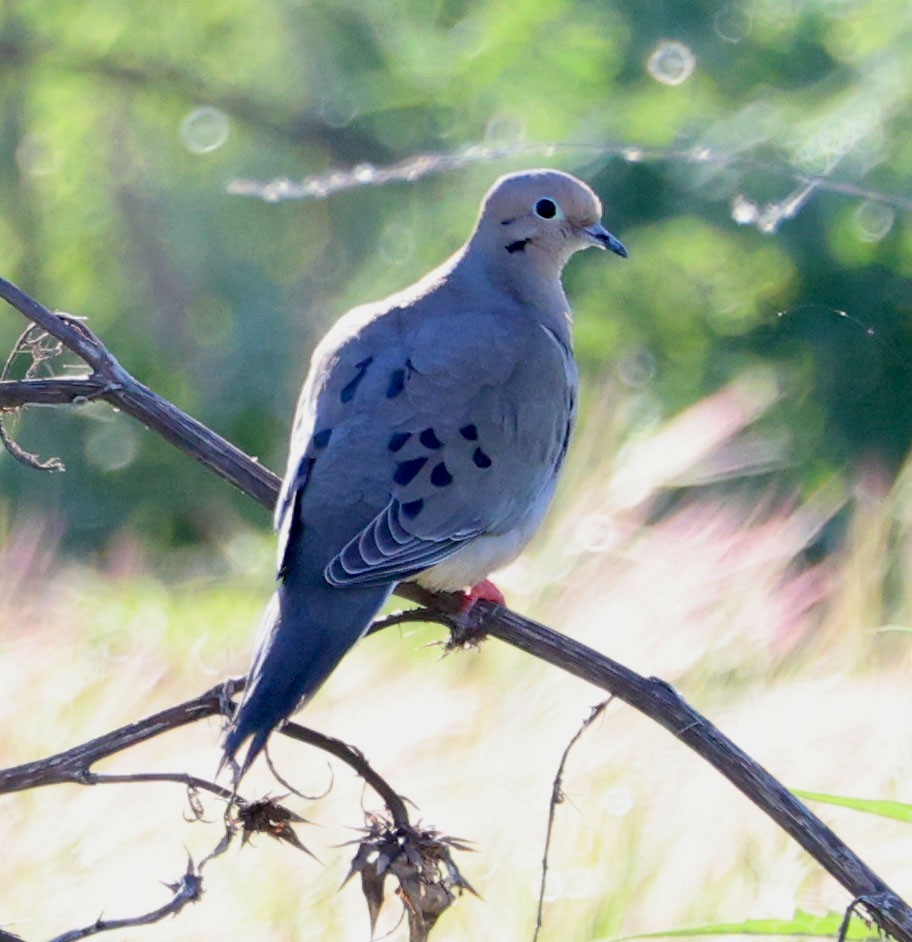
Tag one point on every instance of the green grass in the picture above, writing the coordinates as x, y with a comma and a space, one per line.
787, 661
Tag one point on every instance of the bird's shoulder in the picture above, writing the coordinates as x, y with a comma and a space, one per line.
442, 335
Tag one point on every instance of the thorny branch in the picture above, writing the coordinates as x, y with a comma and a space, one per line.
188, 889
651, 696
423, 853
75, 765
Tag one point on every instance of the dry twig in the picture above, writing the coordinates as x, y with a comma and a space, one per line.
557, 797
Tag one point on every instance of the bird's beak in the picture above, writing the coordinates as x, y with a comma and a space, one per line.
600, 236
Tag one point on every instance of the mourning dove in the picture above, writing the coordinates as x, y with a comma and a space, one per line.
428, 439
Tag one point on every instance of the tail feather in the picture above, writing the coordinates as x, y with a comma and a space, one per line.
307, 629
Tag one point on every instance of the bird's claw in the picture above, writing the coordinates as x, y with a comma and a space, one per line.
481, 590
467, 625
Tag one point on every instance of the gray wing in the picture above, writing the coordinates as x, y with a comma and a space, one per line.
415, 435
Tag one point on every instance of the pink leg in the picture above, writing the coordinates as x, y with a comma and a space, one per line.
482, 590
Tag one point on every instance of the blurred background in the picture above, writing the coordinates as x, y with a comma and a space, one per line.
213, 184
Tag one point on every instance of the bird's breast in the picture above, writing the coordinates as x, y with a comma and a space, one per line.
486, 553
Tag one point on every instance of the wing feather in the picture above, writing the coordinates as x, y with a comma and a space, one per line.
386, 551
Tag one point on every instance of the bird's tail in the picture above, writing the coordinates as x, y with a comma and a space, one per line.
306, 631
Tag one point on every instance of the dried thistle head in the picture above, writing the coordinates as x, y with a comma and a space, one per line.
268, 816
420, 861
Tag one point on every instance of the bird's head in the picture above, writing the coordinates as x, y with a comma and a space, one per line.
540, 218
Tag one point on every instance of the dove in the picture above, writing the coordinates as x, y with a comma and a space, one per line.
428, 438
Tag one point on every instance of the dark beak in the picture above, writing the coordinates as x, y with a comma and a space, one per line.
600, 236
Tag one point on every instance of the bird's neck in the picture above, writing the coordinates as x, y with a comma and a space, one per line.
537, 287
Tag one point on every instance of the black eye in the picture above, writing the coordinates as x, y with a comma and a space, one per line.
546, 208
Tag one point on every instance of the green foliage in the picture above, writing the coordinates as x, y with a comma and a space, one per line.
895, 810
802, 924
123, 125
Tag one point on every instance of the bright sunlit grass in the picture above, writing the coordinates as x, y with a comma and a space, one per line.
785, 656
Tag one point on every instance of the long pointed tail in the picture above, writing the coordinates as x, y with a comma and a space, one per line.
306, 630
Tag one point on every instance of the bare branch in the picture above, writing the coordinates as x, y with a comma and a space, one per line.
75, 765
663, 704
180, 778
651, 696
188, 889
49, 392
120, 389
422, 615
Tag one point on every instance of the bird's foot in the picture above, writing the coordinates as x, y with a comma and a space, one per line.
481, 590
467, 625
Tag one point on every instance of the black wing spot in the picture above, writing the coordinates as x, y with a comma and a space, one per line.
406, 471
398, 440
348, 391
429, 439
321, 439
469, 432
518, 246
411, 509
398, 380
396, 383
480, 459
440, 475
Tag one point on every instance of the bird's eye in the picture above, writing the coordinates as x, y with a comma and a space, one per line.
546, 208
